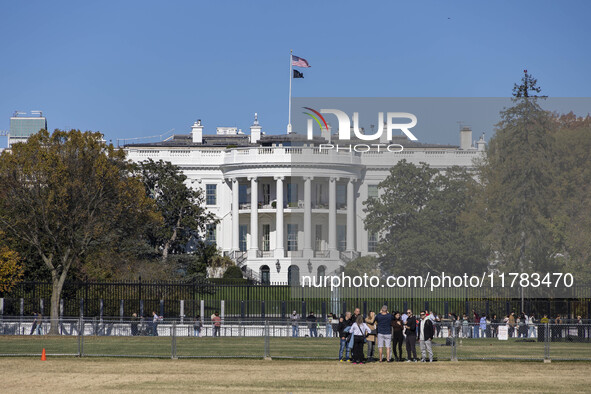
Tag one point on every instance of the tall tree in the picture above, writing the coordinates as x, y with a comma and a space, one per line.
182, 207
515, 178
571, 185
418, 219
66, 194
528, 87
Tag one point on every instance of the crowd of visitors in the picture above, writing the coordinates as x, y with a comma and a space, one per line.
389, 330
389, 335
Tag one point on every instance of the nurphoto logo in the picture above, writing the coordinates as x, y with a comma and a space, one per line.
344, 130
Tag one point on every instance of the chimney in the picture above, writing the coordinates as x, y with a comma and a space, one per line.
481, 144
255, 130
465, 138
197, 132
384, 135
326, 133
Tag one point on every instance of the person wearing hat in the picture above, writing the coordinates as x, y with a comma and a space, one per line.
294, 318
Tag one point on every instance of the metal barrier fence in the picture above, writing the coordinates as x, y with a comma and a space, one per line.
280, 339
249, 300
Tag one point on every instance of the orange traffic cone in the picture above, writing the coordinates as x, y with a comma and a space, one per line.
43, 358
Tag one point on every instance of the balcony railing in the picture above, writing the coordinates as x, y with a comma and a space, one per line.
321, 253
294, 253
264, 253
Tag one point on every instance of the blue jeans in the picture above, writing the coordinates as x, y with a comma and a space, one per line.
328, 330
313, 332
196, 332
351, 342
295, 330
531, 332
342, 348
476, 332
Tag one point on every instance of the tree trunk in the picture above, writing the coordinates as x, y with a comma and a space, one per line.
171, 240
57, 281
56, 292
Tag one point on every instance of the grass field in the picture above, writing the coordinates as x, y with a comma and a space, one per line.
60, 374
279, 347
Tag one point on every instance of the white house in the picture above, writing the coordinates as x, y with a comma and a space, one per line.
314, 224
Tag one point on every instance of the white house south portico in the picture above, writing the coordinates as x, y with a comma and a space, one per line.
290, 214
285, 205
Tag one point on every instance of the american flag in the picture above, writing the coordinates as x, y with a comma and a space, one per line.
299, 62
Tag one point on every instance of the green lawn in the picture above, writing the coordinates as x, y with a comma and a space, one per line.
513, 348
254, 347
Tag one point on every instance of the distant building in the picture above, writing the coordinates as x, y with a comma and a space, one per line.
286, 205
22, 126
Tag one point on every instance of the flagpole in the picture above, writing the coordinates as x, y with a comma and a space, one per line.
290, 77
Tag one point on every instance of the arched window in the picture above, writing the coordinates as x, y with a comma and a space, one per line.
321, 272
293, 275
265, 275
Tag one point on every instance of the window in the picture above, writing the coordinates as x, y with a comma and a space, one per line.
320, 200
266, 193
210, 234
292, 237
318, 238
292, 194
243, 194
372, 242
243, 237
341, 238
341, 196
211, 194
372, 191
266, 237
265, 275
293, 275
321, 272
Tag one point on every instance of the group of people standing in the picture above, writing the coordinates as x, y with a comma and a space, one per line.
487, 326
390, 331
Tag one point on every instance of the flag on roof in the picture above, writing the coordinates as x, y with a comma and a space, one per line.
299, 62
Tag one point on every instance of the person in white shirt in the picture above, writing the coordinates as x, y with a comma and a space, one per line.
155, 320
359, 330
426, 332
531, 326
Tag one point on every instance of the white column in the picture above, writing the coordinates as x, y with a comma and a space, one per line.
351, 214
254, 218
279, 251
235, 217
308, 253
332, 214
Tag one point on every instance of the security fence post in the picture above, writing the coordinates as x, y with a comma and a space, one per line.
173, 342
80, 336
267, 355
547, 344
454, 350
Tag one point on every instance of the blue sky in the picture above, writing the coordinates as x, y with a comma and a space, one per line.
140, 68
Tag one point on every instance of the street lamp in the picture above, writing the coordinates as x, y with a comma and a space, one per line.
278, 266
309, 266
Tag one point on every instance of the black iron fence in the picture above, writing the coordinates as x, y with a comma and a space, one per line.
245, 300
